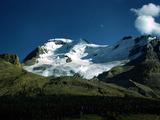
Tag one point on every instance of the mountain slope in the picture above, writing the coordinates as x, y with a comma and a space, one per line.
65, 57
144, 70
25, 95
15, 81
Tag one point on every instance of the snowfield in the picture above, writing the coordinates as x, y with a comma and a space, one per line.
65, 57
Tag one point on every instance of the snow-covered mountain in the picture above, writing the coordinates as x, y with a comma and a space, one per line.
66, 57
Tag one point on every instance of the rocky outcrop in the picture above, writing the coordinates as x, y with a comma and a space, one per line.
11, 58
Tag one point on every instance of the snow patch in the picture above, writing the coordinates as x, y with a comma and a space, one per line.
88, 60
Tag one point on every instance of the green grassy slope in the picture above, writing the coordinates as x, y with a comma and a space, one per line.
16, 81
24, 95
136, 78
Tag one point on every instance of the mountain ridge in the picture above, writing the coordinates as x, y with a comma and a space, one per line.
65, 57
137, 77
145, 69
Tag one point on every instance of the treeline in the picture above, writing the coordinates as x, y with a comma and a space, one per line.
59, 107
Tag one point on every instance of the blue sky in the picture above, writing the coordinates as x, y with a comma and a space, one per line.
25, 24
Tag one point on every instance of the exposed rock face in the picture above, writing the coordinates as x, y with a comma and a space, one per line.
11, 58
31, 58
58, 42
68, 60
127, 37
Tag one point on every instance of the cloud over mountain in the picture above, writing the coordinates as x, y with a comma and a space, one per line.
145, 21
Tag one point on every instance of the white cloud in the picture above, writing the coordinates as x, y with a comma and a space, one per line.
145, 22
148, 10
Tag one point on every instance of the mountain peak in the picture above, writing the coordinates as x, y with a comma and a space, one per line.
65, 57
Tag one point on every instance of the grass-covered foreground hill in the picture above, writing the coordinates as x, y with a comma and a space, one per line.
24, 95
15, 81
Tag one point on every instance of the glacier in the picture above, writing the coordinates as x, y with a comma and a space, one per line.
66, 57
